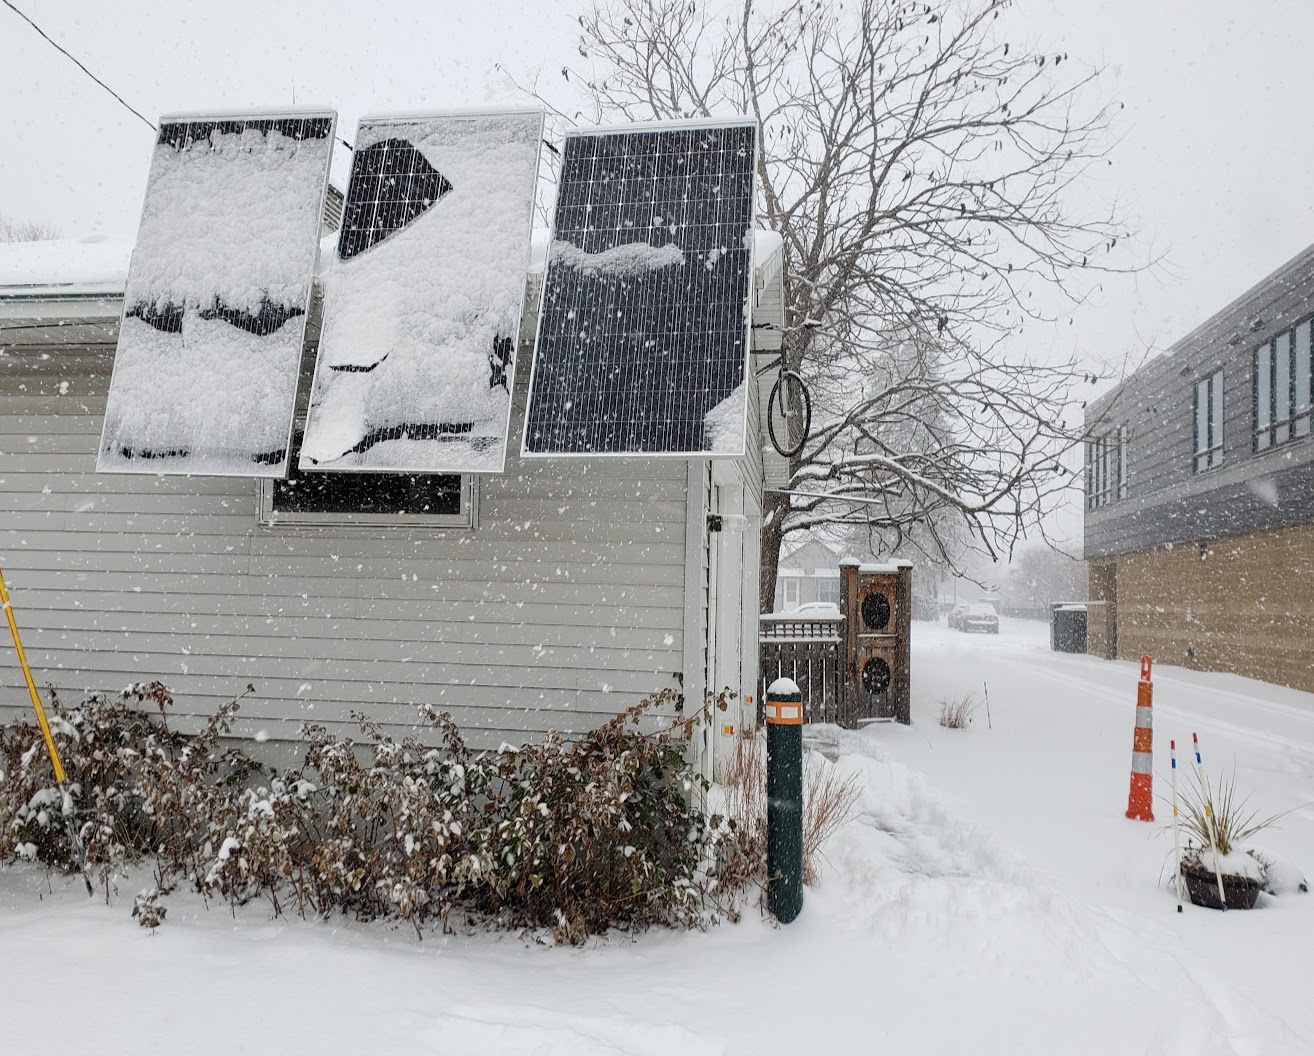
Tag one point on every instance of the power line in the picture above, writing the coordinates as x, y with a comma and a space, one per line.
63, 51
79, 65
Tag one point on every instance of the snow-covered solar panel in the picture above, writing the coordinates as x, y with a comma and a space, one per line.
422, 306
214, 312
643, 330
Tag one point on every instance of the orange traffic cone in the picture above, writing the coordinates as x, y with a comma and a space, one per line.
1141, 797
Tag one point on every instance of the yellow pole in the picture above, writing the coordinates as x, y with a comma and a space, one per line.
60, 776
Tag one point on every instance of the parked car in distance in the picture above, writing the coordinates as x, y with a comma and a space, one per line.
979, 617
956, 614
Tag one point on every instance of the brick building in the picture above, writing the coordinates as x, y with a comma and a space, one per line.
1199, 518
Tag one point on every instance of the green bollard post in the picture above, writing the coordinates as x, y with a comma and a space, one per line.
784, 716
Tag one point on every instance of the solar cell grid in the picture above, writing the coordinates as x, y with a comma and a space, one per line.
643, 328
392, 183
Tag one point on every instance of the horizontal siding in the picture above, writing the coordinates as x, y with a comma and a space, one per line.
1167, 501
564, 605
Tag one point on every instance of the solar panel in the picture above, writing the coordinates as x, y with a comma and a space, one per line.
643, 330
214, 314
422, 306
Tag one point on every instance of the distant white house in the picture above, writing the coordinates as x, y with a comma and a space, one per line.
548, 597
807, 573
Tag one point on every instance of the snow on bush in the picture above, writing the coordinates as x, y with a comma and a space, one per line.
574, 836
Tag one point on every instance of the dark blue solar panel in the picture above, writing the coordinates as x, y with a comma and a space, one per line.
643, 324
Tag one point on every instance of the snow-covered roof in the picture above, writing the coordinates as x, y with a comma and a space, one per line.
58, 267
97, 265
885, 566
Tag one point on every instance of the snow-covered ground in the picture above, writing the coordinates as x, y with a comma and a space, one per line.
990, 897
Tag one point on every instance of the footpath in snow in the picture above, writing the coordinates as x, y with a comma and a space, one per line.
989, 897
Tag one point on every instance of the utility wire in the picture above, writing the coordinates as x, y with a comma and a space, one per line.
54, 44
79, 65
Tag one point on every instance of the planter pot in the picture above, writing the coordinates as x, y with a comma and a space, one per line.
1241, 892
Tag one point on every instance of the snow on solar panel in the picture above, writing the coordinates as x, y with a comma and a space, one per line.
643, 330
423, 303
214, 313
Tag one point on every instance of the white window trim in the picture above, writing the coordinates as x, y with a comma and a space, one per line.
1122, 461
828, 582
1106, 468
467, 519
1209, 444
786, 583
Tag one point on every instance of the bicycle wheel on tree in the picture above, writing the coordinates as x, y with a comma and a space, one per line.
789, 414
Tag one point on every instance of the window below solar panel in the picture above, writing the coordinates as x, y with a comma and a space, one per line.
369, 500
363, 500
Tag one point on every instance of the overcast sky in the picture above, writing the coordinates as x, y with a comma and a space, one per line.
1215, 158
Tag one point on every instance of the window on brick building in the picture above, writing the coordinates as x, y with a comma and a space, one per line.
1209, 422
1284, 387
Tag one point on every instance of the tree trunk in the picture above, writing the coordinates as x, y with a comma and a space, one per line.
774, 508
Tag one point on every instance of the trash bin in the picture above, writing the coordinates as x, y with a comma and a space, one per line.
1067, 627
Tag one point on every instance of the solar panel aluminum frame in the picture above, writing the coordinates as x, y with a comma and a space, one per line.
409, 117
251, 114
643, 127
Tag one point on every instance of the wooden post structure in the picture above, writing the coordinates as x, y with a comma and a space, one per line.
877, 604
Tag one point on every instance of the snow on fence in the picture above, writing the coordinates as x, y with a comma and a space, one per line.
811, 652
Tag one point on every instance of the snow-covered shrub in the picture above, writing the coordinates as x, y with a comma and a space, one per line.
403, 834
147, 910
135, 786
600, 831
579, 836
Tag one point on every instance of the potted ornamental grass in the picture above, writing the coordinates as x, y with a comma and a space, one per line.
1218, 828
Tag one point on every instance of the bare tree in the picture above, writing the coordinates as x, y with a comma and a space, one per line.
917, 162
25, 230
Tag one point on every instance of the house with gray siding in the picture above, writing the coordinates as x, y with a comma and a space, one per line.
1199, 520
547, 597
807, 573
